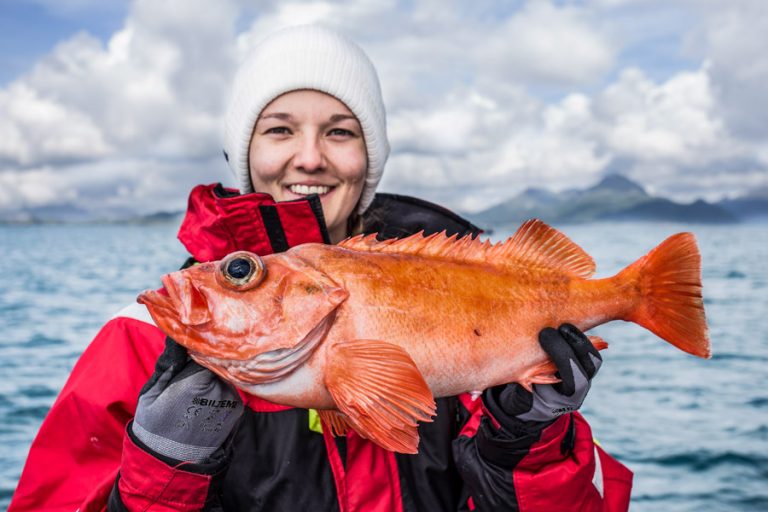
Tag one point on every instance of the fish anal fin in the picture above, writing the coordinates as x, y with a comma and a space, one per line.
543, 373
598, 342
336, 421
382, 393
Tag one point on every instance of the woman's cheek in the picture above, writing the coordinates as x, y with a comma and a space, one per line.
264, 170
356, 166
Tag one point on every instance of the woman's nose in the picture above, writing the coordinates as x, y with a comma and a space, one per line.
309, 155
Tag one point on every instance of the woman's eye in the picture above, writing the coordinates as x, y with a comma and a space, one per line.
341, 132
279, 130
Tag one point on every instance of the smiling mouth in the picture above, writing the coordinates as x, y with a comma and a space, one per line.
306, 190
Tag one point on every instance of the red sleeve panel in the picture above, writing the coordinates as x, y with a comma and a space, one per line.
562, 471
75, 456
617, 482
548, 480
146, 483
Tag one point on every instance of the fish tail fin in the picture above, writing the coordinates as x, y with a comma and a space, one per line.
671, 305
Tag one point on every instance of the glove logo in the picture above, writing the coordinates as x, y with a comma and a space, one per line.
225, 404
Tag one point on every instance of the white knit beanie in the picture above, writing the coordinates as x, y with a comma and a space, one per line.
307, 57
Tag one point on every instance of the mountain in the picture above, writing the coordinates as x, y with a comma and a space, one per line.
748, 207
60, 214
160, 217
69, 214
615, 197
660, 209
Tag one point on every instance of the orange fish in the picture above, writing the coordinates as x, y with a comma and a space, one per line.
368, 332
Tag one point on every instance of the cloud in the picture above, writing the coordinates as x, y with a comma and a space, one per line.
156, 88
110, 188
669, 135
90, 115
543, 43
484, 98
675, 121
36, 129
471, 152
730, 40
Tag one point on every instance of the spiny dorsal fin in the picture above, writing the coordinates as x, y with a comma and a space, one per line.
534, 244
537, 243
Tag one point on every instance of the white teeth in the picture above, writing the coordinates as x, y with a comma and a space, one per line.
309, 189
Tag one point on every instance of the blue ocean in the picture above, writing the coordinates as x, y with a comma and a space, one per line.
695, 432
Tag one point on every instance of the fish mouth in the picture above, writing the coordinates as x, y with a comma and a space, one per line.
179, 301
271, 366
158, 303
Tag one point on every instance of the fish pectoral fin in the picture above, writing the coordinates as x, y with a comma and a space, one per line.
543, 373
382, 393
337, 423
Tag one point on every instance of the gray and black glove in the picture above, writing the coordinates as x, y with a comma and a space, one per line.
523, 413
185, 412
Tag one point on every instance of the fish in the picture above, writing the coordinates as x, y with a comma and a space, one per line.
370, 332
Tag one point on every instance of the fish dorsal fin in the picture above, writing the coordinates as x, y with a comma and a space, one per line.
538, 244
534, 244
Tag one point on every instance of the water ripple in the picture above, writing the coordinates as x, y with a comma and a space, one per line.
703, 461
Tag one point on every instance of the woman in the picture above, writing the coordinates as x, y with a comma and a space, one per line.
305, 130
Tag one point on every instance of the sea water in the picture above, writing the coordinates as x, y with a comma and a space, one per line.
694, 431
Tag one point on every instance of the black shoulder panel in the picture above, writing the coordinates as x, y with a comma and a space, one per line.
396, 216
279, 464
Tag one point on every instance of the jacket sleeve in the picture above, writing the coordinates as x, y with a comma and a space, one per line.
147, 482
75, 456
561, 470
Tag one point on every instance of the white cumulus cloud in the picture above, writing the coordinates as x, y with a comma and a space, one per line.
484, 98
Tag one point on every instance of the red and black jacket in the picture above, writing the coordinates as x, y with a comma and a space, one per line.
276, 461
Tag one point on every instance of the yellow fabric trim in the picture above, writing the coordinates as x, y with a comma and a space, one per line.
594, 440
315, 425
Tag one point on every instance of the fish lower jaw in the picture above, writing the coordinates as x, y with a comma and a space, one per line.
303, 388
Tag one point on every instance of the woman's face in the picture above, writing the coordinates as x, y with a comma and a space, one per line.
307, 142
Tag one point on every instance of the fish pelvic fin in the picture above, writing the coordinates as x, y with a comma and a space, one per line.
337, 423
671, 304
378, 388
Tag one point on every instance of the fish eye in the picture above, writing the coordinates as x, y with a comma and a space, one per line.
241, 270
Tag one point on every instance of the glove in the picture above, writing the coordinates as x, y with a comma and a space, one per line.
523, 413
185, 412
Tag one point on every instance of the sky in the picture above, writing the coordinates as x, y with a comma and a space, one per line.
116, 107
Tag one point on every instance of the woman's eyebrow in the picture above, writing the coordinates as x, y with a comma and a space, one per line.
335, 118
276, 115
284, 116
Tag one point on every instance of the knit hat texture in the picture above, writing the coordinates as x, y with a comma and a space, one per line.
307, 57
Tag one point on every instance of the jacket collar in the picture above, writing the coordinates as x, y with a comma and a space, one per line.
220, 221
